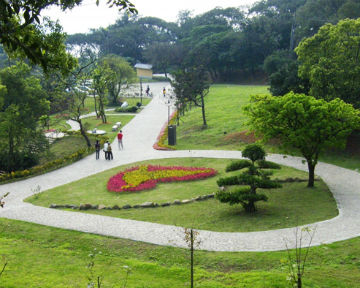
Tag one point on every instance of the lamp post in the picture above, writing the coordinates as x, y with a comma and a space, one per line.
168, 104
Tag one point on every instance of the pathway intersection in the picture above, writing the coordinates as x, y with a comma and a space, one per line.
139, 136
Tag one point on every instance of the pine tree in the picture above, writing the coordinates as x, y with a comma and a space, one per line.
249, 180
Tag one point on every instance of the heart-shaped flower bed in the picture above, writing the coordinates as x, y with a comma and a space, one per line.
146, 176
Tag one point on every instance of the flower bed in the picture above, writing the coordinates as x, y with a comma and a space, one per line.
163, 135
146, 176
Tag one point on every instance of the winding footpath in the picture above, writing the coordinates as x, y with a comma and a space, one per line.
139, 136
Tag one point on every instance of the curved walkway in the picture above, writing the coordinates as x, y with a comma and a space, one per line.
139, 136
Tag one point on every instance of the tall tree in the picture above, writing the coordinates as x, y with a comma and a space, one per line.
303, 122
118, 72
193, 85
100, 77
330, 61
23, 103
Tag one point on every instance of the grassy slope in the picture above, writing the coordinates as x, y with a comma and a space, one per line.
40, 256
225, 119
291, 205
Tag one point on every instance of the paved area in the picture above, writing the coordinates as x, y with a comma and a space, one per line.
139, 136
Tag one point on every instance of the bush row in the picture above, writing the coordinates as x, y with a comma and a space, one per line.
52, 165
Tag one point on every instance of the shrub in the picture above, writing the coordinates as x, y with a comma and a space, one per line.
253, 177
237, 165
132, 109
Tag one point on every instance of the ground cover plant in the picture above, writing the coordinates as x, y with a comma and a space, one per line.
40, 256
227, 126
292, 204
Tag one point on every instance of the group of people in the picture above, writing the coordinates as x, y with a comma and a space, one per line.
107, 147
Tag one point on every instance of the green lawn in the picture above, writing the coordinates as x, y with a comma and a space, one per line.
226, 121
288, 206
93, 122
40, 256
63, 147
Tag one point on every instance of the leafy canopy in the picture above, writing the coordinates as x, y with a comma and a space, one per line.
330, 60
22, 33
302, 122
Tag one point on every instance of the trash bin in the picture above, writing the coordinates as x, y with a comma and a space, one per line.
172, 134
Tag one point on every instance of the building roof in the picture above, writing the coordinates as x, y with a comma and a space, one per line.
143, 66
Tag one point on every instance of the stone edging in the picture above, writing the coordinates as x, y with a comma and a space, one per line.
128, 206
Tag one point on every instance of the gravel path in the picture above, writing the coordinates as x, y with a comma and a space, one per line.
139, 135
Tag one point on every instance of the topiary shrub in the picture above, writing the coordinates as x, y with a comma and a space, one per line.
252, 178
237, 165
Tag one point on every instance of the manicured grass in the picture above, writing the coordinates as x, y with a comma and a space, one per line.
93, 122
226, 119
288, 206
224, 114
65, 146
40, 256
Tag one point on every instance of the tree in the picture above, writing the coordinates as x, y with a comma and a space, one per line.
118, 72
192, 85
23, 103
302, 122
253, 177
330, 60
316, 13
160, 55
282, 70
76, 105
100, 78
22, 32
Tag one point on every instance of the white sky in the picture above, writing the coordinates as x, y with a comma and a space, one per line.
82, 18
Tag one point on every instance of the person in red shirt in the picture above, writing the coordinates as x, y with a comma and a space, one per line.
120, 137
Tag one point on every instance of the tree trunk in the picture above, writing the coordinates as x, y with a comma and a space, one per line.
311, 168
96, 111
299, 283
250, 207
203, 110
83, 133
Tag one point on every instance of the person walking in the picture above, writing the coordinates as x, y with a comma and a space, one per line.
120, 137
110, 154
164, 92
147, 91
105, 149
97, 149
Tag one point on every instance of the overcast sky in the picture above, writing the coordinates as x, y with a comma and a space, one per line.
82, 18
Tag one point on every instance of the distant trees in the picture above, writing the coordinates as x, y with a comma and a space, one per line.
303, 122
